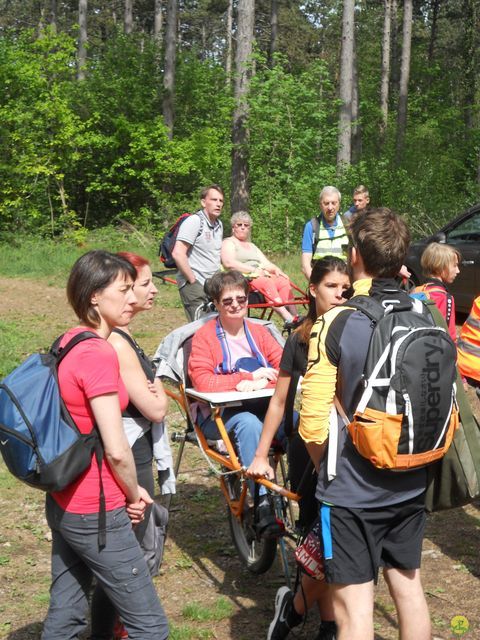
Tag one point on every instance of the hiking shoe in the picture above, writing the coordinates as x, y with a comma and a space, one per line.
327, 631
281, 624
267, 525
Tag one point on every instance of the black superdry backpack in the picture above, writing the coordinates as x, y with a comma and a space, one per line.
407, 413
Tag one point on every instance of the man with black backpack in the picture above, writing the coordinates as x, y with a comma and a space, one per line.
197, 249
374, 402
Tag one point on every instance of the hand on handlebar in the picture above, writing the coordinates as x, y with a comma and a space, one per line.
260, 469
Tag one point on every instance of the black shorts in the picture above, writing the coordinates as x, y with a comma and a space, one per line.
356, 542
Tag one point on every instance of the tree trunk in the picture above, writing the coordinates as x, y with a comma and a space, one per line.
346, 81
433, 30
385, 79
356, 128
273, 30
158, 23
41, 20
53, 15
395, 51
82, 38
228, 58
169, 65
128, 17
404, 77
470, 73
245, 26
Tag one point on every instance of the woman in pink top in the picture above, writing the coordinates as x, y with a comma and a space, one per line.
100, 291
231, 353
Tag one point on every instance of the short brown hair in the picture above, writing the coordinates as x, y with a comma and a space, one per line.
225, 280
205, 190
361, 189
437, 258
382, 238
91, 273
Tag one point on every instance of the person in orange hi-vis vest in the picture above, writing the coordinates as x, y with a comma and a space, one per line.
469, 347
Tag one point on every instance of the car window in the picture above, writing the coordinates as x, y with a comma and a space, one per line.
467, 231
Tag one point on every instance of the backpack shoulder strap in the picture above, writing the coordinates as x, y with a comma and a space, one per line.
435, 288
345, 221
315, 232
200, 229
126, 337
297, 373
144, 360
61, 352
370, 307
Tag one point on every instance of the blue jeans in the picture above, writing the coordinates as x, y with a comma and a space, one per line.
244, 429
119, 568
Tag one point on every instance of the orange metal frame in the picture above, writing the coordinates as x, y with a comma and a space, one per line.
229, 461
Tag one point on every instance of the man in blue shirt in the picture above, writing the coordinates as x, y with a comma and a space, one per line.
324, 235
361, 201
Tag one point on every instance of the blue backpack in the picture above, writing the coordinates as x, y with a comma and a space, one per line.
39, 441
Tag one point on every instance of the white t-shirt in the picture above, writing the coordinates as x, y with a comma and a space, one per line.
205, 240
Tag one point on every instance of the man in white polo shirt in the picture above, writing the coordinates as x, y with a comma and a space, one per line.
197, 249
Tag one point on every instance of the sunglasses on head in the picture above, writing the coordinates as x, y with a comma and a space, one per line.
240, 300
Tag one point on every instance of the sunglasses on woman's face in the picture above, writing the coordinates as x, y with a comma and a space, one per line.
240, 300
243, 224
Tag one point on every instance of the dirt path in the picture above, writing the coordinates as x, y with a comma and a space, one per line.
204, 588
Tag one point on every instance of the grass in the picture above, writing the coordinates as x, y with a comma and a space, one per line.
185, 632
16, 342
34, 257
197, 612
50, 261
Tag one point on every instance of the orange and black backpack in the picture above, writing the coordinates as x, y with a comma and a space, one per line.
407, 413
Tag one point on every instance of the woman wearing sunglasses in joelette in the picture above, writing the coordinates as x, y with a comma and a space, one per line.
232, 353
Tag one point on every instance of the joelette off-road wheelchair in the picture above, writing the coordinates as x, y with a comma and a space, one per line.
256, 551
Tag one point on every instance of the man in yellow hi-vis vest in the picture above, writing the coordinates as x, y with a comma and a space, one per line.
324, 235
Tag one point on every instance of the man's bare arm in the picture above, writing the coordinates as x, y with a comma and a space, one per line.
307, 265
180, 255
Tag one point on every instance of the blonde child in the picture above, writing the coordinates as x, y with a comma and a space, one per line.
440, 265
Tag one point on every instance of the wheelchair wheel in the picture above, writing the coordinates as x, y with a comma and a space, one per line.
257, 555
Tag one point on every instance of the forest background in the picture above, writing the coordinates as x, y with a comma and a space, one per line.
119, 111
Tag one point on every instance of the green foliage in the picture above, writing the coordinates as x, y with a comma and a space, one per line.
38, 128
77, 156
292, 150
